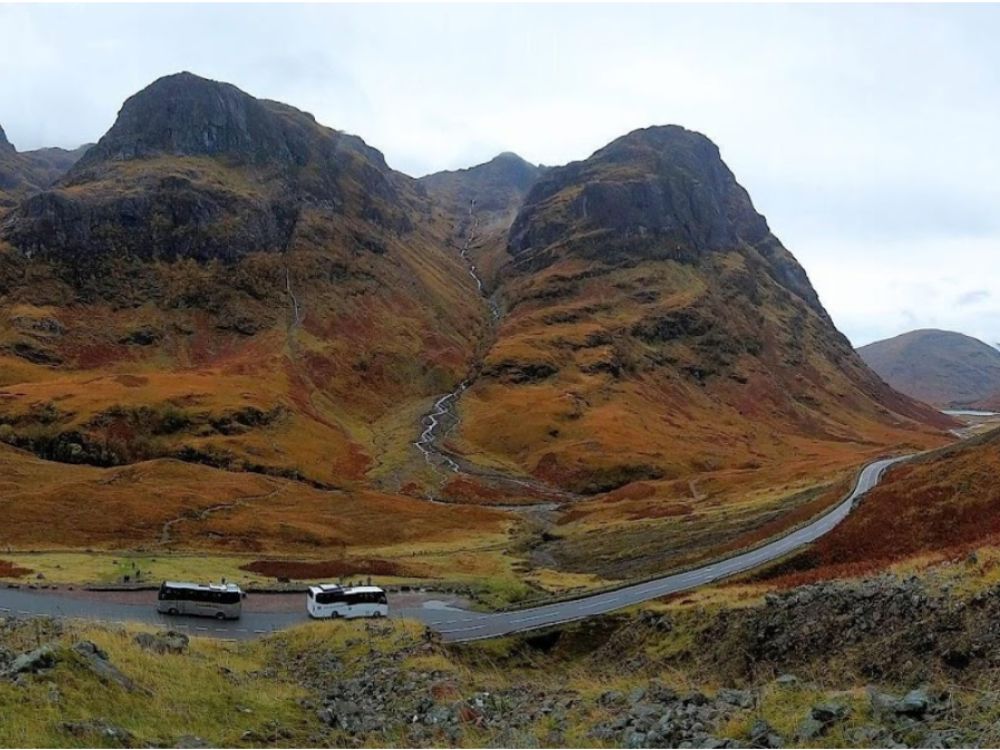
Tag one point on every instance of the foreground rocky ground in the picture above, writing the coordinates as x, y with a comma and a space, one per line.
889, 662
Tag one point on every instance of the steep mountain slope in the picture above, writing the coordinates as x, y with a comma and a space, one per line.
939, 367
24, 173
236, 285
658, 331
482, 202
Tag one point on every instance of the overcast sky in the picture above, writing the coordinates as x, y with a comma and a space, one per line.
868, 135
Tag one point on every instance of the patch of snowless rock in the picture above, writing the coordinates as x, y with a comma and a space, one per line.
890, 628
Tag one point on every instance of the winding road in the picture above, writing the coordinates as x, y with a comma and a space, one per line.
452, 623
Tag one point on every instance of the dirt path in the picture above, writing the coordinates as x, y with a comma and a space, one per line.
203, 513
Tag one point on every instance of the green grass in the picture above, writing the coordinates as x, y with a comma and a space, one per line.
214, 692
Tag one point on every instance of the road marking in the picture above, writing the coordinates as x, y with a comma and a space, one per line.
464, 630
533, 617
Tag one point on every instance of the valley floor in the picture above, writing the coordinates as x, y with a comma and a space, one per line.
895, 660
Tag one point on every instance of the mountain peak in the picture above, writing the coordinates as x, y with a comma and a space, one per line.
665, 184
496, 185
187, 115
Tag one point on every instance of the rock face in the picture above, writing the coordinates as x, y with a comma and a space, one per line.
661, 192
4, 143
185, 115
939, 367
212, 173
498, 185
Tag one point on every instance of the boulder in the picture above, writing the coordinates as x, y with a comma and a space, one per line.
810, 728
828, 712
738, 698
761, 734
95, 660
31, 662
169, 642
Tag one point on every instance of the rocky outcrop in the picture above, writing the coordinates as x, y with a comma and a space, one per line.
661, 192
173, 218
658, 716
496, 186
92, 658
169, 642
212, 173
878, 624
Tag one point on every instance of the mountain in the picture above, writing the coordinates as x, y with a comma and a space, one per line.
482, 202
276, 294
199, 169
223, 282
657, 330
943, 368
498, 185
24, 173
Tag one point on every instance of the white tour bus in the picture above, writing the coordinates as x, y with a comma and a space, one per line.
332, 600
221, 601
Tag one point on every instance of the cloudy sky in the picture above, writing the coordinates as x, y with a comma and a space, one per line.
868, 135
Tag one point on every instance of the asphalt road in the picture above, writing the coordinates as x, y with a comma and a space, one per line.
454, 625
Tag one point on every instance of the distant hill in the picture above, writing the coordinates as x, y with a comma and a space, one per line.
942, 368
24, 173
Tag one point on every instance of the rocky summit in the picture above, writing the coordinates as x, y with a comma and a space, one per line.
211, 173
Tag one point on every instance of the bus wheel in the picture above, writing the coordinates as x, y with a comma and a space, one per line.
220, 616
173, 611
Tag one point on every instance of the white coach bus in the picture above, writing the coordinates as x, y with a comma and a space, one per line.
332, 600
221, 601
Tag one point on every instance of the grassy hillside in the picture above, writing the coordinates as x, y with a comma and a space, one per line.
243, 288
942, 505
660, 341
